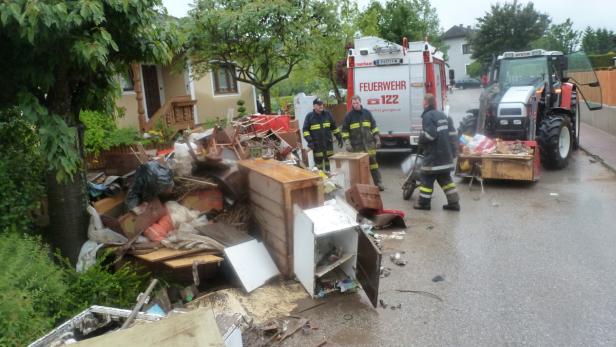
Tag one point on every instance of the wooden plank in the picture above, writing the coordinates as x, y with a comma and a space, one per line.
195, 329
188, 261
112, 206
227, 235
507, 169
166, 254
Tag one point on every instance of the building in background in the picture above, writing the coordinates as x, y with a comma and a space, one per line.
459, 52
154, 92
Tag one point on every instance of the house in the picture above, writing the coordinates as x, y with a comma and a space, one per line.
459, 53
153, 92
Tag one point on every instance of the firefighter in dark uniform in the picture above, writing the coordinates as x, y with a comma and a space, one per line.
361, 134
438, 141
318, 130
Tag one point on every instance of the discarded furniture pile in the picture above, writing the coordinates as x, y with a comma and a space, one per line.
231, 207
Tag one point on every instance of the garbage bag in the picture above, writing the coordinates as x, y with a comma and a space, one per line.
87, 255
98, 233
180, 214
151, 179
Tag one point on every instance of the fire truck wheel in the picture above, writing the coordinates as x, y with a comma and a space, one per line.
555, 142
468, 124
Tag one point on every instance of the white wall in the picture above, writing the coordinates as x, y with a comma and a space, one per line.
457, 60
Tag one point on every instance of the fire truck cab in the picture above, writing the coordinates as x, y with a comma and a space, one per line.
392, 80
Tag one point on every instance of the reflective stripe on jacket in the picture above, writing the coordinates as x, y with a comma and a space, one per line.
438, 142
318, 130
360, 128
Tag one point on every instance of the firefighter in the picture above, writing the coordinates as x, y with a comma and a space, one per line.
438, 140
361, 134
319, 126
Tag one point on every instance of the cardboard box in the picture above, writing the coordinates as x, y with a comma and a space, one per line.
364, 197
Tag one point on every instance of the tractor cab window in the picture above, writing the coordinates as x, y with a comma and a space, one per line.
523, 72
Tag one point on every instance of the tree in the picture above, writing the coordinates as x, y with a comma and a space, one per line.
507, 27
560, 37
328, 55
599, 41
371, 20
60, 57
413, 19
261, 40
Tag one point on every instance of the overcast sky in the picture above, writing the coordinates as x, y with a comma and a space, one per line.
594, 13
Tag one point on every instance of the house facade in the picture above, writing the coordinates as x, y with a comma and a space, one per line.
459, 53
154, 92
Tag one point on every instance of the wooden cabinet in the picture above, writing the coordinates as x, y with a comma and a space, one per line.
274, 188
321, 229
352, 168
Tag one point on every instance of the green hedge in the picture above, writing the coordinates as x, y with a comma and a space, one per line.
602, 60
21, 172
37, 294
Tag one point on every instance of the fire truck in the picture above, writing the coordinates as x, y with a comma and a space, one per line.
392, 80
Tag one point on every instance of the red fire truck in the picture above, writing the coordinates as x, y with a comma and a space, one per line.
392, 80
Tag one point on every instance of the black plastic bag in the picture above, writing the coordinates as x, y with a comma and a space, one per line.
151, 179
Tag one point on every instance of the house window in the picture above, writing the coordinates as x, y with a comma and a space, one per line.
466, 48
224, 80
126, 81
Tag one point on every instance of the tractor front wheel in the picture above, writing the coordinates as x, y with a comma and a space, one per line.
555, 142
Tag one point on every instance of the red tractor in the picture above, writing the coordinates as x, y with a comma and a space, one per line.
534, 96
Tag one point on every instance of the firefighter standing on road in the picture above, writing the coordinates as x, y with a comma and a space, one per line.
438, 141
361, 134
319, 126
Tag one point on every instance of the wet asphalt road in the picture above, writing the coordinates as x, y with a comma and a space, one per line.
523, 264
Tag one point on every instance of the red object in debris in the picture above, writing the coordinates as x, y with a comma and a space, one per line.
159, 230
164, 152
271, 122
398, 212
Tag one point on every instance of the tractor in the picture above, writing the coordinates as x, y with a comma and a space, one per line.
535, 96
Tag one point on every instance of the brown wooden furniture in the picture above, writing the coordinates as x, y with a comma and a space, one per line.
354, 166
274, 189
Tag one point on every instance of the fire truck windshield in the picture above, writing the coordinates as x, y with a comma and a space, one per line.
523, 71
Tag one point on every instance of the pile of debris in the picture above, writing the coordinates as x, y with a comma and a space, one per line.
481, 145
241, 201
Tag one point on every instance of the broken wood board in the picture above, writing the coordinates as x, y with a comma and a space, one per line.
166, 254
226, 234
188, 261
203, 200
192, 329
112, 206
252, 264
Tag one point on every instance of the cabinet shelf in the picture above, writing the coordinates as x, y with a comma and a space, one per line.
322, 270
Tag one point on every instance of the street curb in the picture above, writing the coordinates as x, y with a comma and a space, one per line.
609, 166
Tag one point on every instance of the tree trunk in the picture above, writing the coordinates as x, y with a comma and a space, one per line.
67, 200
67, 214
336, 90
267, 99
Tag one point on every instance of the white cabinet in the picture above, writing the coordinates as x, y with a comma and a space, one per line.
328, 242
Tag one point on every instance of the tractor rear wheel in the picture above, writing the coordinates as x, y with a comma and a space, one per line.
555, 142
468, 124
